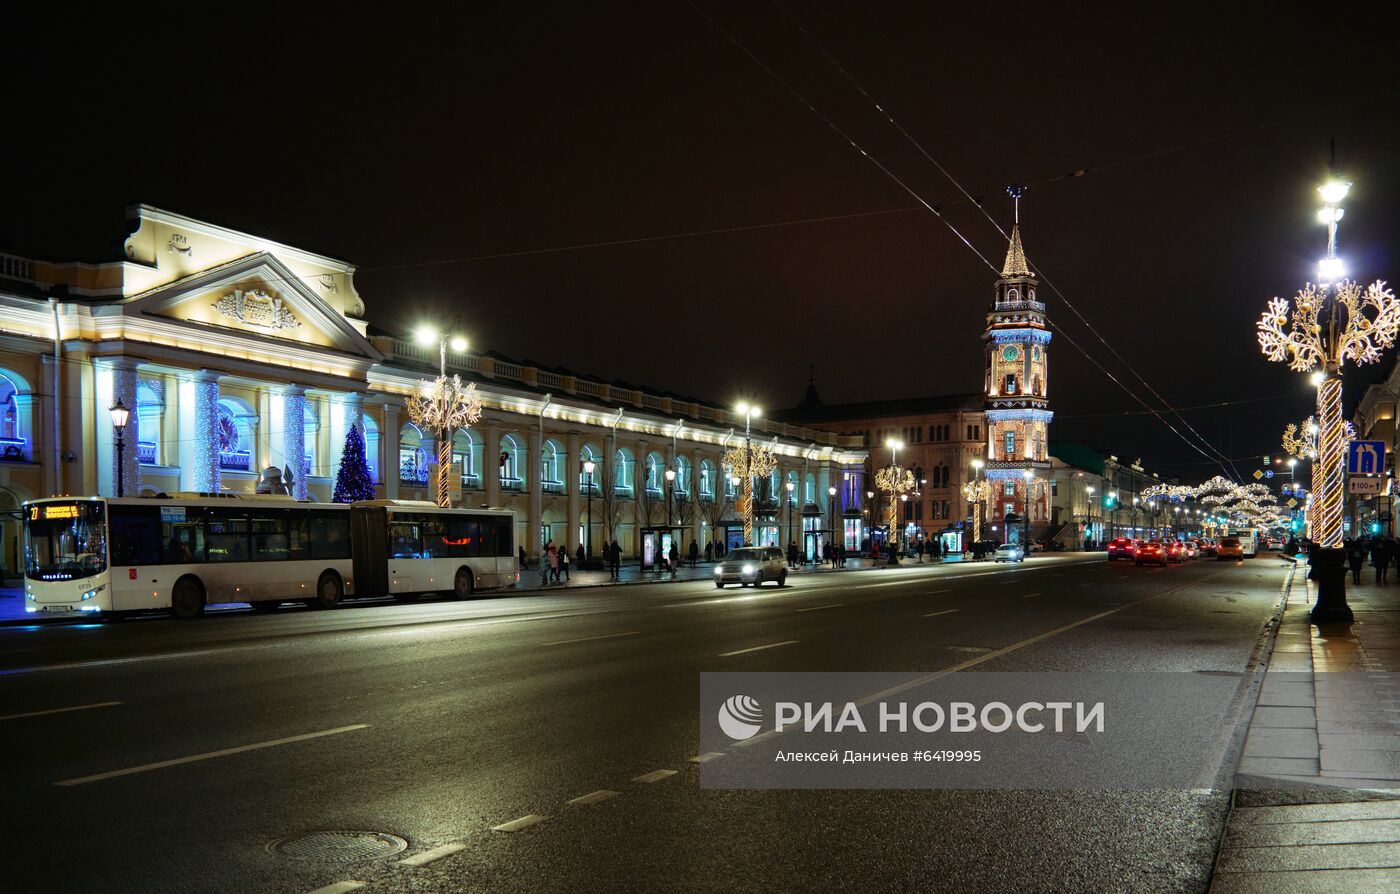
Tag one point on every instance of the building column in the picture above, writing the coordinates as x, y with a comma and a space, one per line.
389, 451
199, 452
534, 484
572, 488
294, 436
491, 466
124, 382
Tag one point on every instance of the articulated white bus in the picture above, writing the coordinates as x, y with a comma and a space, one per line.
184, 553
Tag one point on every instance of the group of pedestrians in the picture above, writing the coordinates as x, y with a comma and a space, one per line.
554, 564
1379, 552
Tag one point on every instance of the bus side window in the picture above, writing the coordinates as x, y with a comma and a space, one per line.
484, 537
403, 540
270, 538
184, 542
298, 535
226, 535
435, 529
330, 535
135, 534
462, 533
505, 538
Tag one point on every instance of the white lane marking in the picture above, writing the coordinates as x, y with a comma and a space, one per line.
786, 642
706, 757
436, 853
936, 592
223, 752
516, 825
59, 710
1029, 595
338, 888
815, 608
589, 639
946, 611
601, 794
654, 776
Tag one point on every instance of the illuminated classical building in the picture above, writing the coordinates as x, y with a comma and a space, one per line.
238, 355
1016, 406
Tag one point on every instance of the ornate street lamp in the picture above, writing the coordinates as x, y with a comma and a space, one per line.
443, 406
976, 492
747, 463
791, 486
120, 416
894, 481
1328, 324
831, 514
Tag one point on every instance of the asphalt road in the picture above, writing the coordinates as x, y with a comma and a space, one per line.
438, 721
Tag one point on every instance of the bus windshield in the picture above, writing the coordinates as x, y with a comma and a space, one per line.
64, 541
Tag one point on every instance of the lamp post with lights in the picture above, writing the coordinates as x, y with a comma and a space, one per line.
976, 492
894, 481
121, 414
747, 463
1326, 325
443, 406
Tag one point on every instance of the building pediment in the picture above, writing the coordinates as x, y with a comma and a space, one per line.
257, 295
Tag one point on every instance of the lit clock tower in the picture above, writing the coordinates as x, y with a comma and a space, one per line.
1017, 409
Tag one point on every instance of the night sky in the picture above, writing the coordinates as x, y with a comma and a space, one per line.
416, 146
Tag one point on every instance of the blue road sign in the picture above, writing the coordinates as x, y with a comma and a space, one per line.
1365, 457
1268, 473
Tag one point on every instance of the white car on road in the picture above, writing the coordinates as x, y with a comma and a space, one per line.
1009, 552
751, 566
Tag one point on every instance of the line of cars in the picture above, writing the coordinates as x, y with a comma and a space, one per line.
1163, 552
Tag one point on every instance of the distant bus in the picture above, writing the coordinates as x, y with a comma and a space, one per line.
1249, 540
185, 553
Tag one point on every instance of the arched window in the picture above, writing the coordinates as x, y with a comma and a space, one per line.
14, 437
656, 469
552, 467
731, 486
370, 430
625, 469
235, 435
512, 462
310, 426
809, 488
707, 479
466, 450
590, 453
150, 403
413, 457
683, 476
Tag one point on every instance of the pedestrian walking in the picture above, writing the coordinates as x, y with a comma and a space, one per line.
524, 560
553, 562
1356, 557
615, 560
564, 562
675, 559
710, 551
544, 565
1380, 558
694, 553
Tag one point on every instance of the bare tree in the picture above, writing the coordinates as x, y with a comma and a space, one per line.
651, 506
609, 501
714, 509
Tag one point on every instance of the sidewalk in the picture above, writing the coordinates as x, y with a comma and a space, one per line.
1314, 803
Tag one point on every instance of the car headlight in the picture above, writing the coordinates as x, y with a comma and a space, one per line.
748, 569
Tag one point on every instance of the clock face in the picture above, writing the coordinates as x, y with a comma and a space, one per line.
1008, 353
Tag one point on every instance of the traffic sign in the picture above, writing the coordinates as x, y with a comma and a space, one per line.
1366, 457
1363, 485
1269, 473
1258, 474
1292, 503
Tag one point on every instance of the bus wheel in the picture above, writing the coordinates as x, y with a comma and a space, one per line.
328, 591
462, 585
187, 599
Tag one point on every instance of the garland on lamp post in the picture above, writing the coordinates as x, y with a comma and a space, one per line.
443, 406
746, 463
894, 481
977, 492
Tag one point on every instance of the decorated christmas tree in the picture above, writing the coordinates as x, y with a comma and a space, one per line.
353, 481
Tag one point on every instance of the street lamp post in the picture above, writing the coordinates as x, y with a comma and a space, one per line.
748, 463
670, 489
1328, 324
1088, 511
120, 415
588, 467
1026, 517
791, 539
975, 492
831, 514
444, 405
895, 482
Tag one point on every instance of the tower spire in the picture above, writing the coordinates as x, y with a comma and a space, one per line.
1015, 264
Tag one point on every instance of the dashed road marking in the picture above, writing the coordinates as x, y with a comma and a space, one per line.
601, 794
436, 853
338, 888
654, 776
516, 825
59, 710
223, 752
815, 608
946, 611
706, 757
587, 639
1029, 595
786, 642
936, 592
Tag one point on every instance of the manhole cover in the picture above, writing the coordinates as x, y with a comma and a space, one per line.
344, 846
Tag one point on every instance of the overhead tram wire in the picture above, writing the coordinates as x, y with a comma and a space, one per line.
837, 129
956, 183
